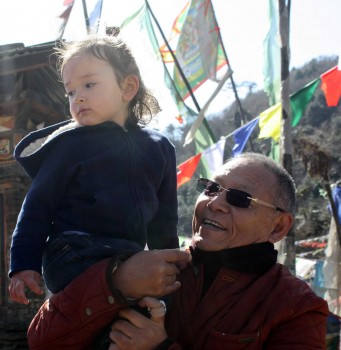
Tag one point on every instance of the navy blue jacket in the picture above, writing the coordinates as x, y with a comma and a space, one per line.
104, 180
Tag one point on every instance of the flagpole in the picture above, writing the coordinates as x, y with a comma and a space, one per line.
86, 17
99, 15
100, 12
241, 111
65, 15
286, 135
228, 62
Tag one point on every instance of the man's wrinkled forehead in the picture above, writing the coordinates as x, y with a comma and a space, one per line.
245, 174
228, 167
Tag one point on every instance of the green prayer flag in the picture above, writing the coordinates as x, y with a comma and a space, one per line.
203, 138
300, 99
272, 55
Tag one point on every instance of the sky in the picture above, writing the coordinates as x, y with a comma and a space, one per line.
315, 30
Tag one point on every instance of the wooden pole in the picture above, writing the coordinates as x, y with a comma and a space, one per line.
286, 135
86, 17
239, 105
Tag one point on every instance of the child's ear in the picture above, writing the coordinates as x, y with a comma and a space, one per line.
130, 86
282, 225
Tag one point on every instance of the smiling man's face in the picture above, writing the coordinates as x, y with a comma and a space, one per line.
222, 225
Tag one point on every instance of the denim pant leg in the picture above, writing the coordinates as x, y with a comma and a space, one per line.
61, 262
67, 256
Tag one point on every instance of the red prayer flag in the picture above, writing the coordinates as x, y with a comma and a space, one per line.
187, 169
331, 86
68, 2
66, 13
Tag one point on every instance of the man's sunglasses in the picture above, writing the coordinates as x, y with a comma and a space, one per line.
237, 198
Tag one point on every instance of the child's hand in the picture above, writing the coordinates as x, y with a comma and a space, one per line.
24, 279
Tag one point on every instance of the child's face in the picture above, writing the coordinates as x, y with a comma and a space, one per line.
94, 93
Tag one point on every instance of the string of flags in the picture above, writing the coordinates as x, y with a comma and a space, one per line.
269, 122
197, 21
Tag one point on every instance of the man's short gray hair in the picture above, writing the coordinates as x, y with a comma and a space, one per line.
284, 193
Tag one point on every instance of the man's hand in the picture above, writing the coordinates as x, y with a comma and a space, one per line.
150, 273
24, 279
135, 331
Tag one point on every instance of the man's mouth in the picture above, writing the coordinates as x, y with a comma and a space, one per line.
213, 224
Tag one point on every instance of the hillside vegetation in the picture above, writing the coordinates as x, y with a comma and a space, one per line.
320, 125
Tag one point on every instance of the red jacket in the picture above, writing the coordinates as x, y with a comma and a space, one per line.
72, 318
240, 311
274, 311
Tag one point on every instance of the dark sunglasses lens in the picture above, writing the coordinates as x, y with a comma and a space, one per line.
208, 187
201, 185
212, 189
238, 198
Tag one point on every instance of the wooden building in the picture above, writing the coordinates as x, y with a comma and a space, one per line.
31, 96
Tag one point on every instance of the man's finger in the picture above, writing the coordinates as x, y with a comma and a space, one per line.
157, 308
119, 339
158, 313
171, 288
177, 256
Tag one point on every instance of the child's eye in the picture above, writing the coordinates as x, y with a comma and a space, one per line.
69, 94
90, 85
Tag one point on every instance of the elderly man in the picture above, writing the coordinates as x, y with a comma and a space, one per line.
233, 294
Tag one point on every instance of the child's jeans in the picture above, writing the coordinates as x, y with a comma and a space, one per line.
72, 252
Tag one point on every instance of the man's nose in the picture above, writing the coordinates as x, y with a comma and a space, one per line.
219, 203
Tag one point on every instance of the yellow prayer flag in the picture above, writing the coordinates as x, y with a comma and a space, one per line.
270, 122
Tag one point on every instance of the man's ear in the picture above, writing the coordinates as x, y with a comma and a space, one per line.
130, 86
282, 225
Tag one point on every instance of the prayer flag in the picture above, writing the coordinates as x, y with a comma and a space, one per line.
331, 86
199, 54
336, 194
68, 2
270, 122
300, 99
331, 269
95, 15
187, 169
212, 158
203, 139
199, 51
65, 17
241, 136
66, 13
176, 29
140, 21
272, 56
